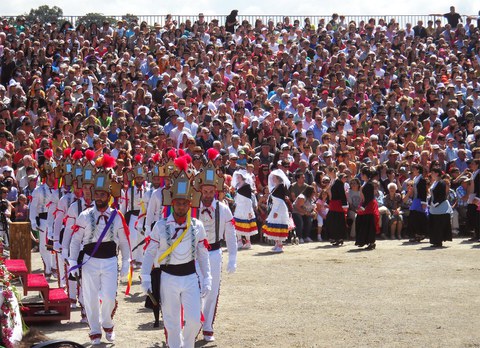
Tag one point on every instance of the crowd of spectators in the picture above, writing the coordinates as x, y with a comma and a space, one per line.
314, 99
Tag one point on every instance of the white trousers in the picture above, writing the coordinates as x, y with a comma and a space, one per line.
175, 292
72, 289
47, 256
61, 268
209, 303
135, 238
99, 282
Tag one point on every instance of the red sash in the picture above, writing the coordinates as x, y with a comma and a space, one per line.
336, 205
372, 209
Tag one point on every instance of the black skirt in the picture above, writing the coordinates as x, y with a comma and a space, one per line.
155, 276
417, 224
365, 229
440, 228
336, 225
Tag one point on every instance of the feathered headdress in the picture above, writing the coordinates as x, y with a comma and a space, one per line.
48, 165
67, 152
212, 154
181, 163
182, 185
89, 155
108, 161
156, 158
104, 177
138, 170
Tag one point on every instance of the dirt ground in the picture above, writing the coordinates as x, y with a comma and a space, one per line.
315, 295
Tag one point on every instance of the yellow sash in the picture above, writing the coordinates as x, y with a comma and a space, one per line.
179, 239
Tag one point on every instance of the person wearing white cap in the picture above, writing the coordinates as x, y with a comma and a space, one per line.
177, 133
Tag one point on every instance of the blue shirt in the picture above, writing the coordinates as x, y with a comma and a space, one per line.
317, 132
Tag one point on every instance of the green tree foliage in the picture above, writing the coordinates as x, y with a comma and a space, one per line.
97, 18
44, 14
130, 18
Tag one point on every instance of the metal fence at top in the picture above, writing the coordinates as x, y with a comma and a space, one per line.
402, 20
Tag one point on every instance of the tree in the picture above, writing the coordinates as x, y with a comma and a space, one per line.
97, 18
44, 14
130, 18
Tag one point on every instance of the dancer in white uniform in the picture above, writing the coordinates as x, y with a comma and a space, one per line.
83, 200
134, 207
217, 220
179, 287
44, 199
100, 235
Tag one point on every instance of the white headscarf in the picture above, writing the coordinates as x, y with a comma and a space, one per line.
279, 174
247, 177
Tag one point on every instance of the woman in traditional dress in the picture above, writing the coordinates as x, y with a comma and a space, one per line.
366, 223
440, 211
276, 227
417, 220
336, 223
244, 216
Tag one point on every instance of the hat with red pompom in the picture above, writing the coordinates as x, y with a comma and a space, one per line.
155, 163
64, 168
105, 179
168, 168
139, 172
47, 164
182, 184
210, 174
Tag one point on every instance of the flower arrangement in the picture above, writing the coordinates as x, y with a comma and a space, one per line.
10, 318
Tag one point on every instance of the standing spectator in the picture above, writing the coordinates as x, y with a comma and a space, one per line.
303, 213
473, 213
460, 213
231, 21
453, 18
322, 212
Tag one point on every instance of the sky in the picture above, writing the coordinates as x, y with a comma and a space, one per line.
248, 7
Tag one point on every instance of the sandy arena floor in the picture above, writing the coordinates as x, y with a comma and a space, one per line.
315, 295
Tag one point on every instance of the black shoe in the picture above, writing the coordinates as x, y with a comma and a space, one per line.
371, 246
340, 243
